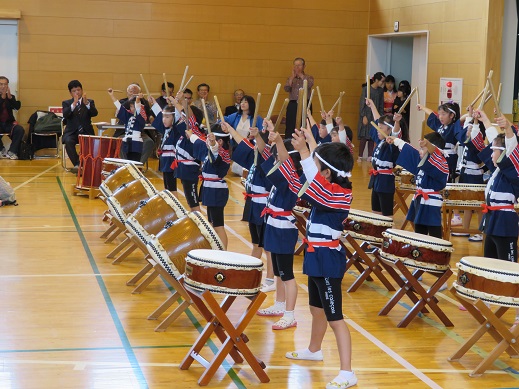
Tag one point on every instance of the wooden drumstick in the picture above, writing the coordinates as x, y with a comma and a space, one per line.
206, 116
320, 98
407, 101
499, 92
303, 189
340, 105
477, 98
311, 98
273, 102
299, 108
368, 87
187, 83
338, 101
484, 97
117, 91
417, 96
182, 87
280, 116
380, 131
256, 111
305, 102
145, 86
218, 108
165, 84
496, 103
488, 98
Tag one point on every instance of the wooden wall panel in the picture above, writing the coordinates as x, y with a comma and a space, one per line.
464, 38
232, 44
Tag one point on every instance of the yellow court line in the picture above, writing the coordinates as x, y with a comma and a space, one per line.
64, 275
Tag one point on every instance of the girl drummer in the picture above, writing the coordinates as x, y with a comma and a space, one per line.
327, 168
257, 189
214, 152
280, 230
431, 170
382, 179
163, 123
443, 124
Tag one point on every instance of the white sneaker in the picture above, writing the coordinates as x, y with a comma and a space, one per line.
273, 310
268, 288
338, 383
11, 155
456, 221
283, 324
476, 238
305, 355
3, 153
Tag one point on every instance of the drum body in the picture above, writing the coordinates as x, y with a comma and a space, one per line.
151, 217
491, 280
171, 245
367, 226
418, 251
404, 179
223, 272
128, 197
464, 193
118, 177
92, 151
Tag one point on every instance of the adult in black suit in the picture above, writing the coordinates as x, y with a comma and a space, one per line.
8, 124
238, 96
77, 114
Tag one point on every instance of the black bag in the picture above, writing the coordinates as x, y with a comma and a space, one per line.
48, 124
26, 151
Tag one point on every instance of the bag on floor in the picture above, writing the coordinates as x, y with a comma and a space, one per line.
26, 151
7, 195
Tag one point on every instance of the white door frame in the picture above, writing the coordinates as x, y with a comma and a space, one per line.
419, 69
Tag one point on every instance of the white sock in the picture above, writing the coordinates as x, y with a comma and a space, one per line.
269, 281
280, 305
344, 376
288, 316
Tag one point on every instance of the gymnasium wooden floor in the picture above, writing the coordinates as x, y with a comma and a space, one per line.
69, 321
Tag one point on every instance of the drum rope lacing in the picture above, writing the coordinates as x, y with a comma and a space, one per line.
234, 265
209, 229
488, 270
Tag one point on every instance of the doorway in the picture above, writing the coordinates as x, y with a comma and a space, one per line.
403, 55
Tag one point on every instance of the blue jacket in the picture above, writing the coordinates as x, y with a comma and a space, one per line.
447, 133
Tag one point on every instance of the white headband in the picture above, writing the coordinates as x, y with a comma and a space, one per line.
453, 111
293, 152
389, 125
497, 148
340, 173
220, 134
166, 113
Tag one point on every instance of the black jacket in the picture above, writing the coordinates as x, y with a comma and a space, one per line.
79, 120
11, 104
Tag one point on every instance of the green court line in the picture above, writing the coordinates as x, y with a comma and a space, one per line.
108, 300
53, 350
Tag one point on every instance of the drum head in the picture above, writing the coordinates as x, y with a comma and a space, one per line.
435, 244
378, 220
226, 258
491, 268
122, 162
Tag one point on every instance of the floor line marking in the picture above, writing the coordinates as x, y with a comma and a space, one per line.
35, 177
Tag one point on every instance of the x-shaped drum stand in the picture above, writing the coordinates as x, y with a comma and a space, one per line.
234, 341
415, 291
507, 339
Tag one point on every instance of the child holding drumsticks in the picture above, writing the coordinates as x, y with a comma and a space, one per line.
327, 168
431, 171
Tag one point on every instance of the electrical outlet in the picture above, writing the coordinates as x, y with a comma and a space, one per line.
396, 26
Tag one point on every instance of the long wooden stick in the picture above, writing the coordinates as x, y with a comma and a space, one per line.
417, 96
311, 98
145, 86
477, 97
255, 117
187, 83
499, 92
299, 108
489, 96
496, 103
338, 101
340, 105
407, 101
320, 98
117, 91
273, 102
165, 84
305, 103
485, 97
380, 131
280, 116
218, 108
208, 127
182, 87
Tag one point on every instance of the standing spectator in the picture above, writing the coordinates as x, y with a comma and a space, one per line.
161, 101
77, 115
203, 93
365, 114
389, 94
238, 96
294, 82
8, 125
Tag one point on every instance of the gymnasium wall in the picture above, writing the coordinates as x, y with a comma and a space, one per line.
464, 39
228, 44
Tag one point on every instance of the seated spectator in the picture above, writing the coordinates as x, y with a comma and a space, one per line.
238, 96
8, 125
161, 101
77, 115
